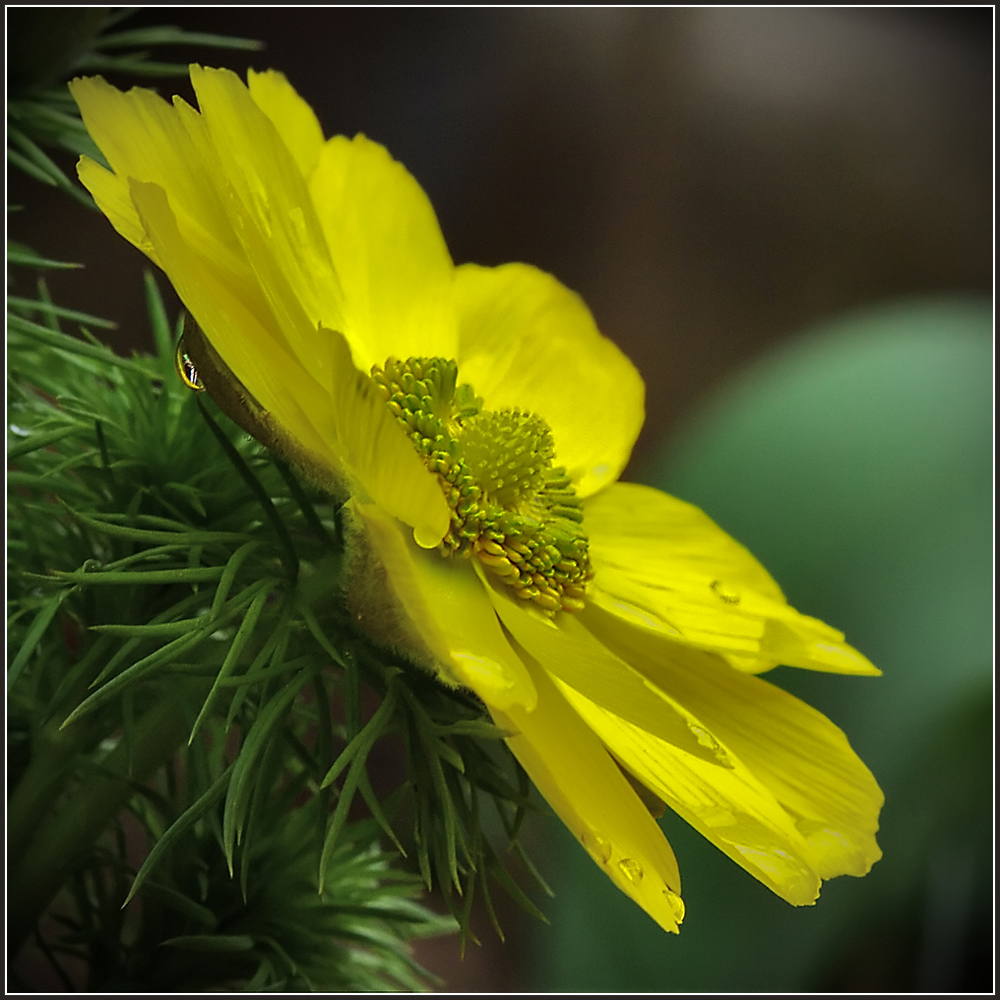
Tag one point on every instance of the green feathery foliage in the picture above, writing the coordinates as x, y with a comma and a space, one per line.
48, 45
182, 666
195, 723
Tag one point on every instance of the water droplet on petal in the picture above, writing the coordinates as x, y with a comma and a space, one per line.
707, 740
725, 594
598, 847
676, 904
704, 737
186, 368
631, 869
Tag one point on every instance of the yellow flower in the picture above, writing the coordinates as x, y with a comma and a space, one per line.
478, 421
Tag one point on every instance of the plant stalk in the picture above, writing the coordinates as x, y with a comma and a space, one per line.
67, 835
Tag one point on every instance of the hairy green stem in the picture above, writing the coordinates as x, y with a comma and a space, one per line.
51, 761
52, 754
66, 836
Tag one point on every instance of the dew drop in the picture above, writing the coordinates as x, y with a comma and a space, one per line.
725, 594
598, 847
675, 903
631, 869
186, 368
298, 220
707, 740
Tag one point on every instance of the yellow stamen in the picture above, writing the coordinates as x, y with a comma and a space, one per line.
511, 508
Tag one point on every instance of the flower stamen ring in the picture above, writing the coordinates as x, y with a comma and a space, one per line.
510, 506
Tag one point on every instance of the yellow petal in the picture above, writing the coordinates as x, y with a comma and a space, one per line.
378, 453
571, 768
725, 805
434, 609
801, 758
240, 327
388, 252
268, 207
569, 652
295, 121
235, 193
112, 196
663, 565
796, 640
672, 750
145, 138
527, 341
340, 434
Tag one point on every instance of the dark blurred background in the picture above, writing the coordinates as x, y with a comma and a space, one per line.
785, 218
708, 180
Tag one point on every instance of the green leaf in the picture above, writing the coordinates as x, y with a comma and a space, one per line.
207, 624
162, 336
158, 557
177, 901
237, 799
152, 631
36, 441
136, 63
165, 654
169, 35
46, 307
139, 578
356, 752
43, 335
229, 572
319, 635
211, 942
532, 870
449, 754
308, 511
289, 555
35, 633
513, 889
26, 165
480, 728
50, 484
240, 640
365, 740
108, 525
43, 167
371, 800
18, 253
274, 649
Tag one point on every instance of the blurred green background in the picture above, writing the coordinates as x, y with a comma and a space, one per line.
784, 217
856, 463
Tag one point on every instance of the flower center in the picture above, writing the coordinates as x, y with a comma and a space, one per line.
510, 507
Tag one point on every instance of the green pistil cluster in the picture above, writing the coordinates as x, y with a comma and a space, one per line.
512, 509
